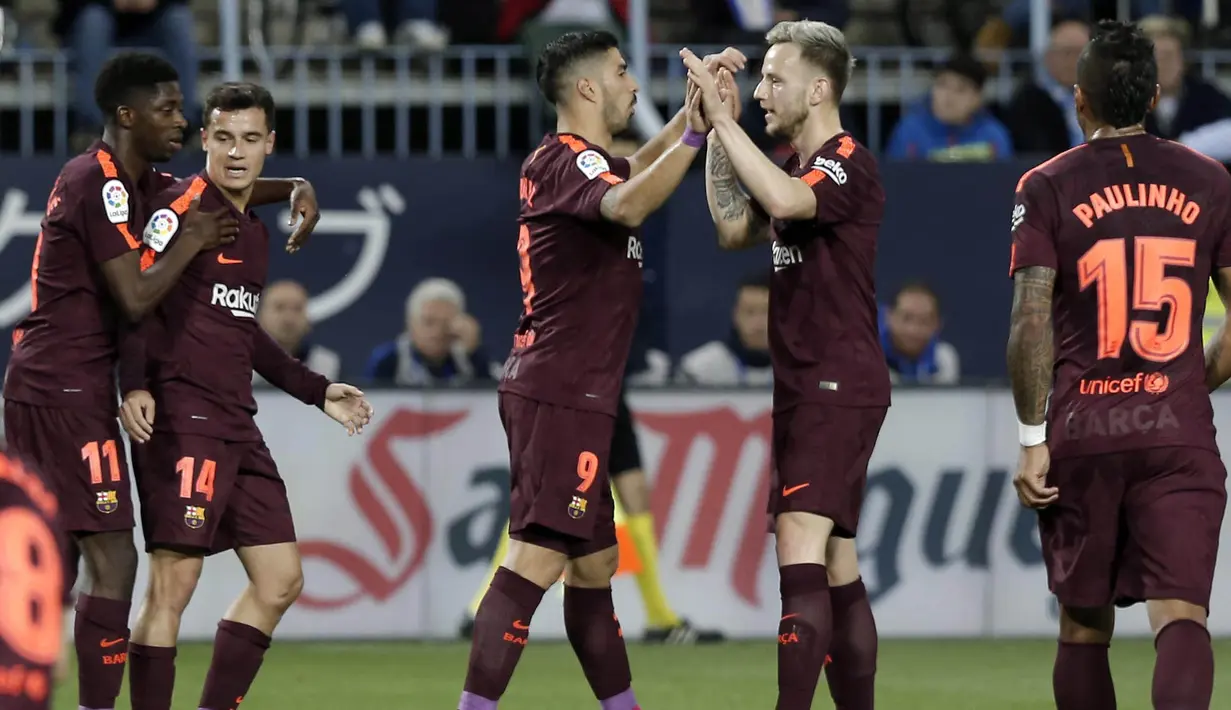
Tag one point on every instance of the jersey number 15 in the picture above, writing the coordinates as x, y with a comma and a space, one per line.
1105, 266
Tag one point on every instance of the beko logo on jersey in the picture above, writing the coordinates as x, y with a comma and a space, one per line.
240, 301
635, 250
832, 168
1019, 216
786, 255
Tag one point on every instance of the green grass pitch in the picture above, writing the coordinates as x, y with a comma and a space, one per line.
914, 675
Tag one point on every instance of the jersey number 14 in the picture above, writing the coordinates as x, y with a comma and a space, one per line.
1105, 266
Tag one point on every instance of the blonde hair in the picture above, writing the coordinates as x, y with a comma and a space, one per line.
821, 45
1157, 26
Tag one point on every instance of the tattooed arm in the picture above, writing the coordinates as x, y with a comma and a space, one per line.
1218, 350
1030, 348
741, 222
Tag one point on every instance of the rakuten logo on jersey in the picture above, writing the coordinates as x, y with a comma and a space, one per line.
832, 168
635, 251
240, 301
786, 255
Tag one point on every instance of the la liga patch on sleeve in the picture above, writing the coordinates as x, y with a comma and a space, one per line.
162, 226
115, 201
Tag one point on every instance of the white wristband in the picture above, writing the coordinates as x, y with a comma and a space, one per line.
1031, 434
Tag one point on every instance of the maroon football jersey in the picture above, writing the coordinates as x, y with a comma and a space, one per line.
580, 277
824, 339
32, 574
64, 352
203, 342
1134, 228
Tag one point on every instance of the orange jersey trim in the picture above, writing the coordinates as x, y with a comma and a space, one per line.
109, 172
195, 188
812, 177
578, 147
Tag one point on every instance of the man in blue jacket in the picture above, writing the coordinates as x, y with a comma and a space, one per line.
951, 123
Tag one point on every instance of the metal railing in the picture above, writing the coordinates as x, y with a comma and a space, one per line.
470, 101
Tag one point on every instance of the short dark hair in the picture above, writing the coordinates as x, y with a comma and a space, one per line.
563, 53
917, 287
1117, 74
127, 74
967, 67
237, 96
756, 279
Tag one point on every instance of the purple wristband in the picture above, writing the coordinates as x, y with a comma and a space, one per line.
692, 138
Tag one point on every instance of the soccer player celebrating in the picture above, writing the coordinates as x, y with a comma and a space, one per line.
831, 385
1114, 245
581, 283
204, 476
60, 385
32, 574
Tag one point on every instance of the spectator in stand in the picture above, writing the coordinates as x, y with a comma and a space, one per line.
910, 337
93, 28
738, 21
1190, 109
1013, 25
561, 16
1041, 115
414, 23
743, 357
441, 345
951, 123
284, 315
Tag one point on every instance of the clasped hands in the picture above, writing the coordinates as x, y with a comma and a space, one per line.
712, 94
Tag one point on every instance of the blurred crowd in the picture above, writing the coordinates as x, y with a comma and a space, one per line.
441, 344
952, 122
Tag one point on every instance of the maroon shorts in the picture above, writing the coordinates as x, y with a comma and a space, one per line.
81, 456
1133, 526
561, 496
202, 494
821, 455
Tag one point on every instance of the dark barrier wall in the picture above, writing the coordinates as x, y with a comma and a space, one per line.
387, 224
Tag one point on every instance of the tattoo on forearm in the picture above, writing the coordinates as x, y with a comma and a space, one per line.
732, 202
1030, 358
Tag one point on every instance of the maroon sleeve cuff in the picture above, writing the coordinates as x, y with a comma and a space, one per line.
286, 373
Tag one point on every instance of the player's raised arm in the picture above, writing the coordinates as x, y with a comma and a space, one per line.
731, 60
782, 196
741, 223
137, 290
630, 203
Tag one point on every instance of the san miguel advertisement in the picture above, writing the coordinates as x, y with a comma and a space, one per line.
397, 526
